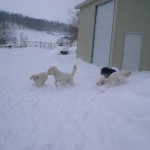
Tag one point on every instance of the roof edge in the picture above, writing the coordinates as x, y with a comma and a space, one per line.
84, 4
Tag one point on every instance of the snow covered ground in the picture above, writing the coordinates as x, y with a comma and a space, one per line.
79, 117
38, 36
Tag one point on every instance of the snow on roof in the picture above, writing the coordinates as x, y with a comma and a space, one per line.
84, 4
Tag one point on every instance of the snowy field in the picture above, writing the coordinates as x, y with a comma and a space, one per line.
79, 117
38, 36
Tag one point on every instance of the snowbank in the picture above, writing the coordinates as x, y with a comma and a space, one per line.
79, 117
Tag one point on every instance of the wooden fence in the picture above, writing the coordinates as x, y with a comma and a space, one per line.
40, 44
31, 44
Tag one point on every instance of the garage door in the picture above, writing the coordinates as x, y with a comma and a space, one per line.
102, 36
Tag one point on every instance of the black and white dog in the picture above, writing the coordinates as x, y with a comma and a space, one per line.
106, 72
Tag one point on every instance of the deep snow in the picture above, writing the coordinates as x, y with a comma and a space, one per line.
79, 117
38, 36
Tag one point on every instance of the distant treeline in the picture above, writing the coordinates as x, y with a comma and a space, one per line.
32, 23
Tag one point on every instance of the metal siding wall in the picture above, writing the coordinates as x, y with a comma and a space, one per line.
145, 58
85, 34
132, 16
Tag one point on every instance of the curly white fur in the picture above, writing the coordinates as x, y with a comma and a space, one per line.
114, 79
39, 79
62, 77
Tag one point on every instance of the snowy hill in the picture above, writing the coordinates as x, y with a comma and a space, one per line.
38, 36
79, 117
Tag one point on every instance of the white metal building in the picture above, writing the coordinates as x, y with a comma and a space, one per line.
115, 33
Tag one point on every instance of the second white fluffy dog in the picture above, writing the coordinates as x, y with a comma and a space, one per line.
62, 77
114, 79
39, 79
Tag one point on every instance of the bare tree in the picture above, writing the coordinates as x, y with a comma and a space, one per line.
74, 24
23, 39
32, 23
7, 33
3, 35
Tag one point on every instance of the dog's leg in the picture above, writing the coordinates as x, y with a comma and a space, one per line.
31, 77
43, 81
63, 83
70, 82
55, 82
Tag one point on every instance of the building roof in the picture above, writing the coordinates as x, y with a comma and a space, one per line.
84, 4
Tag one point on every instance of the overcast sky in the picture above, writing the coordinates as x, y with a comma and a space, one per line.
55, 10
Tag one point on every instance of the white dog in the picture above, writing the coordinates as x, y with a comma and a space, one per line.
39, 79
62, 77
114, 79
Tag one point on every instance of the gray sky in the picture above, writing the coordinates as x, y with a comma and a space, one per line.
55, 10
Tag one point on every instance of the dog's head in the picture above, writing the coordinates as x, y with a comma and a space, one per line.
126, 73
107, 71
51, 70
104, 70
100, 82
34, 77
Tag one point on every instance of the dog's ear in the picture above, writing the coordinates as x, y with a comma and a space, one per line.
51, 70
31, 77
75, 66
102, 82
130, 73
97, 83
54, 68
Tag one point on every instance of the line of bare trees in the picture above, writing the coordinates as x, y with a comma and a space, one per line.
7, 33
7, 29
33, 23
74, 24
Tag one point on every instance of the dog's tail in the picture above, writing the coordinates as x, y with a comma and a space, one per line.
74, 70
